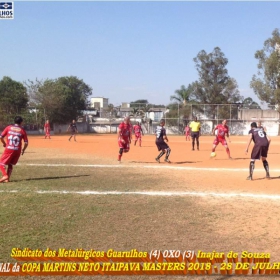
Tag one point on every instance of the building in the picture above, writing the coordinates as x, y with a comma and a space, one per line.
99, 103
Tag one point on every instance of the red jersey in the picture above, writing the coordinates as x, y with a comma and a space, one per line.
47, 127
125, 130
221, 130
137, 129
15, 134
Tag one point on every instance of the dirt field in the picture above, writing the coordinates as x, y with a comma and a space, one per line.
194, 203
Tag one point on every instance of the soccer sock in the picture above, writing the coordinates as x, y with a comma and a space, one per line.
213, 150
120, 154
197, 143
3, 170
70, 137
140, 142
9, 170
168, 151
161, 154
251, 168
228, 152
266, 167
135, 142
193, 144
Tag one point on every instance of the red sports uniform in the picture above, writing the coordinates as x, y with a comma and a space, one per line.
222, 131
137, 131
187, 131
47, 128
125, 133
15, 134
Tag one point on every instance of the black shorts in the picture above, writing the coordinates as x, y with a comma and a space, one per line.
259, 151
195, 135
161, 145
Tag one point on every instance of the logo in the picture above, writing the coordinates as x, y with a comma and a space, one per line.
6, 10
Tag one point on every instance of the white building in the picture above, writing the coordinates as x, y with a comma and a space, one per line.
99, 102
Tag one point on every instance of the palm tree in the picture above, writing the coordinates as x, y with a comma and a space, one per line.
182, 95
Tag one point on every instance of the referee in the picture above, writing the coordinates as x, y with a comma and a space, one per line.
195, 132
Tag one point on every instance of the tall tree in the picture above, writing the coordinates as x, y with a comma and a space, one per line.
250, 103
214, 85
61, 99
182, 95
266, 84
13, 96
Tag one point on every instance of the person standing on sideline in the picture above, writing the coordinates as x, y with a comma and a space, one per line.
15, 134
222, 132
160, 142
47, 129
259, 151
124, 137
138, 132
187, 131
74, 130
195, 132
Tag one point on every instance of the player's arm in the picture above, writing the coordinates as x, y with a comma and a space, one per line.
24, 147
250, 137
3, 141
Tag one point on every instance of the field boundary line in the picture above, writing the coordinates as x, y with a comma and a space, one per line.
154, 193
146, 166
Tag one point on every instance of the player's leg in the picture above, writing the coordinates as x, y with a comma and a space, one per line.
251, 169
168, 151
227, 150
197, 142
120, 154
4, 173
140, 141
162, 152
75, 136
193, 139
70, 137
9, 172
266, 167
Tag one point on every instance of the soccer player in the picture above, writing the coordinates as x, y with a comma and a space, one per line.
15, 134
195, 132
138, 132
160, 142
187, 131
47, 129
259, 151
222, 132
74, 130
124, 137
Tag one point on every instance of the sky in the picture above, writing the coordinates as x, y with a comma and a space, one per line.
133, 50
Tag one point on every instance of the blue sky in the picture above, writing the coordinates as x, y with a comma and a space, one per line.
133, 50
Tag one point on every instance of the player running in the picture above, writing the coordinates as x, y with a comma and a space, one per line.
15, 134
74, 130
260, 149
222, 132
138, 132
124, 137
160, 142
47, 129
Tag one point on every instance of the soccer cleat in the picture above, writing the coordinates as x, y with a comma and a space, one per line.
4, 178
192, 149
249, 178
267, 176
167, 160
157, 159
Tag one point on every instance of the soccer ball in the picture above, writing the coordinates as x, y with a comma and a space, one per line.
213, 154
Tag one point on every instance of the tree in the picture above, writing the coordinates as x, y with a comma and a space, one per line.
182, 95
13, 96
61, 99
250, 103
214, 85
266, 84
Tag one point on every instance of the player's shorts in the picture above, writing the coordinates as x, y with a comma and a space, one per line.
138, 136
187, 134
195, 135
73, 132
10, 157
161, 145
259, 151
124, 144
218, 140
